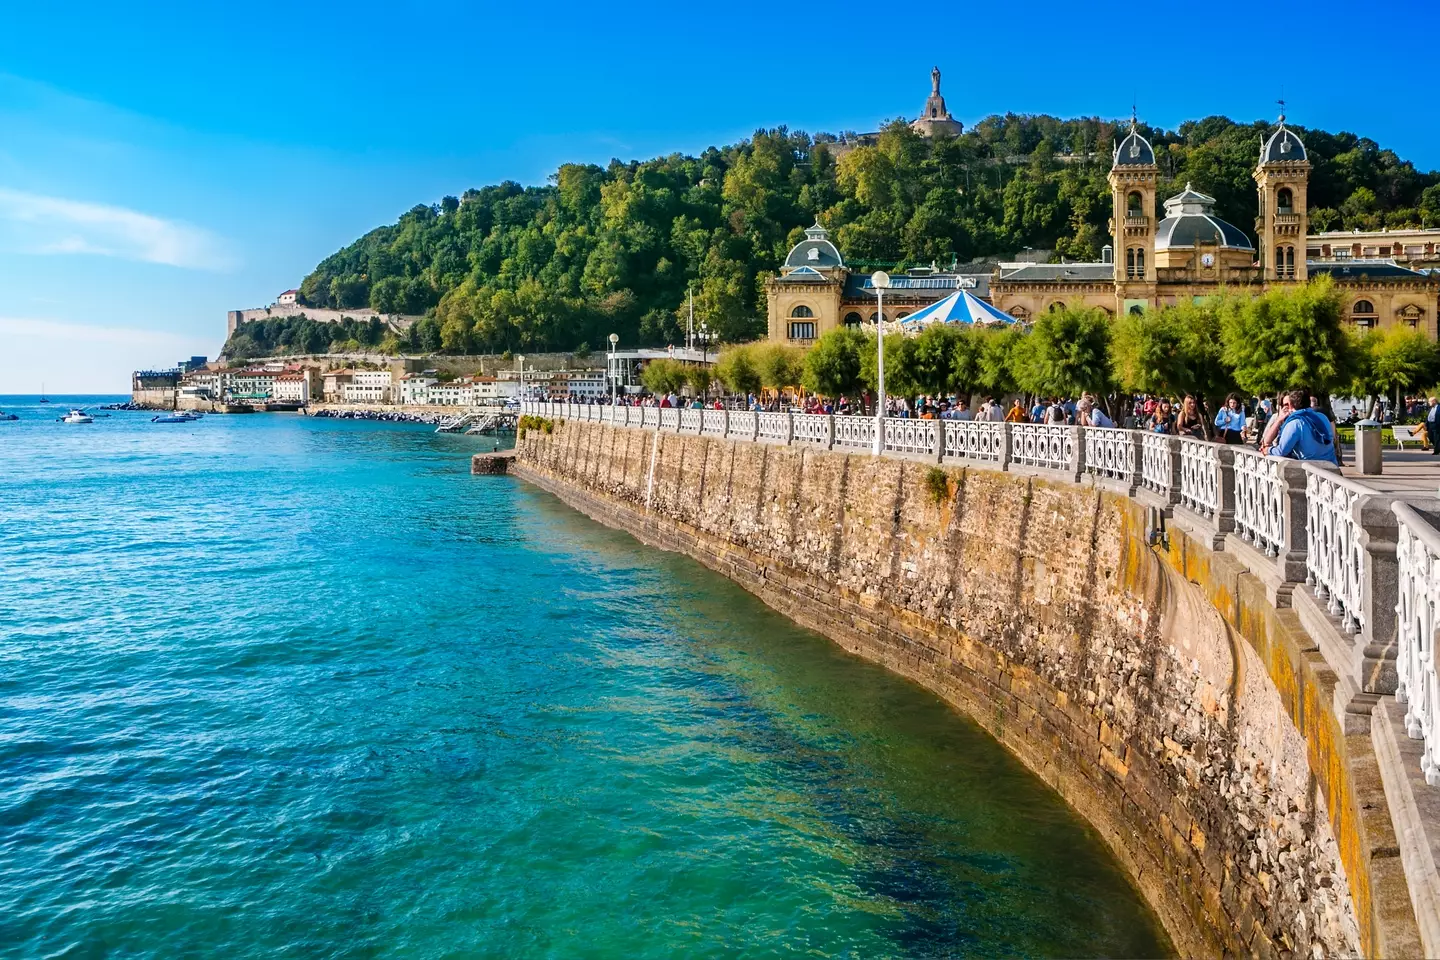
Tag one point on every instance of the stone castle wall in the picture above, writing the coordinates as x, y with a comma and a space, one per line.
1157, 690
234, 318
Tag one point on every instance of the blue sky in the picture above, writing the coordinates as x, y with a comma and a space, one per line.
162, 163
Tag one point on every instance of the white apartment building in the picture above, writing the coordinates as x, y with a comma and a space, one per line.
415, 388
291, 388
368, 386
495, 390
252, 384
456, 393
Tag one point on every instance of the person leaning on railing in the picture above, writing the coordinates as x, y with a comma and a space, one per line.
1302, 432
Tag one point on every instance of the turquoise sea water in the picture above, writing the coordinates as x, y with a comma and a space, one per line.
273, 686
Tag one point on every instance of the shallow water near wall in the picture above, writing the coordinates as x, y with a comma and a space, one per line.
279, 685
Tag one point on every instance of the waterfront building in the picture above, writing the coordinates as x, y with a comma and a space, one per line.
335, 382
496, 389
252, 383
456, 393
367, 386
292, 386
583, 384
415, 388
1188, 253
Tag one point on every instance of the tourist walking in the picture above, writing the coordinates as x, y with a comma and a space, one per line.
1189, 422
1230, 421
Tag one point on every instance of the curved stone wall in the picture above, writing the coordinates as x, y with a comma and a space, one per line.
1152, 686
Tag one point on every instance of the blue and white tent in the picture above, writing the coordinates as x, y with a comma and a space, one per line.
962, 306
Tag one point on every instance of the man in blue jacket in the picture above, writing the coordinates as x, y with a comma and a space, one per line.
1306, 433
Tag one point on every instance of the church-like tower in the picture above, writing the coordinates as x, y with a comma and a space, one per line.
1282, 177
936, 119
1133, 177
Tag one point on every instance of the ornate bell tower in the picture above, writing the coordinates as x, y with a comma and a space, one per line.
1133, 176
1282, 177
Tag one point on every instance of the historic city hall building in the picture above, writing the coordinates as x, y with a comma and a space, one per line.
1187, 253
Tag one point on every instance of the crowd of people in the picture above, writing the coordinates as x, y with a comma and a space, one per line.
1293, 425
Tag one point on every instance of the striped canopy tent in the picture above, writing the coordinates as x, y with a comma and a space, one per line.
962, 306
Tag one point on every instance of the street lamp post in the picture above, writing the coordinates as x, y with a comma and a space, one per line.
520, 362
880, 280
614, 339
704, 337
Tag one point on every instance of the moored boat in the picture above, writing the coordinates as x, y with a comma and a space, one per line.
172, 418
77, 416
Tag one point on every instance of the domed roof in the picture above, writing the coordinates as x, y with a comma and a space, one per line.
1134, 150
815, 251
1190, 219
1283, 145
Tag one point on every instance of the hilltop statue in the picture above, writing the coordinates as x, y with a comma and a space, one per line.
936, 118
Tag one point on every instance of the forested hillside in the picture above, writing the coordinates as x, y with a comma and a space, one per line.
601, 250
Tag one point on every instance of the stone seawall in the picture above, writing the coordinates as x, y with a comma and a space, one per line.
1156, 689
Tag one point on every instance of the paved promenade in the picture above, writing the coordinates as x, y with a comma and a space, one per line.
1406, 471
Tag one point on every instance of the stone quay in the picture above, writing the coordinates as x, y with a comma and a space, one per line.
1225, 662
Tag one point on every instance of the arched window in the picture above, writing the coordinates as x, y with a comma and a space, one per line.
1285, 262
1363, 315
1056, 307
1284, 201
1135, 310
1134, 205
903, 314
874, 317
1135, 263
852, 319
802, 311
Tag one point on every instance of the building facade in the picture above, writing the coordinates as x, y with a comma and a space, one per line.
1185, 254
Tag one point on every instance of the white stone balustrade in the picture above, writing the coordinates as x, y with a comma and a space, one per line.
1047, 446
855, 433
981, 440
1417, 553
774, 426
713, 423
1200, 476
1159, 465
913, 437
1259, 501
743, 424
812, 428
690, 419
1112, 453
1334, 555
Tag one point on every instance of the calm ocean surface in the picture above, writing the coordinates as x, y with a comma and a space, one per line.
273, 686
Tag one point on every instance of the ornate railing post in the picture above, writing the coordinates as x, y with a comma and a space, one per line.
789, 428
1007, 444
1076, 468
830, 431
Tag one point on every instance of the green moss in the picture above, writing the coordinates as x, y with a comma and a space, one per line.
937, 484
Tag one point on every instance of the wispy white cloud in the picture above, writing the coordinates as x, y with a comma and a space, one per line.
32, 223
61, 330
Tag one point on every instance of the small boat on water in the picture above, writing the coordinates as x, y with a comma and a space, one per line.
172, 418
7, 416
77, 416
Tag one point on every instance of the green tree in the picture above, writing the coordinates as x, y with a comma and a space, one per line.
932, 358
1393, 360
1286, 338
1066, 353
1173, 351
736, 368
664, 376
833, 365
779, 366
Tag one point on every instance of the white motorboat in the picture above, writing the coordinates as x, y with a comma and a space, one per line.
77, 416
